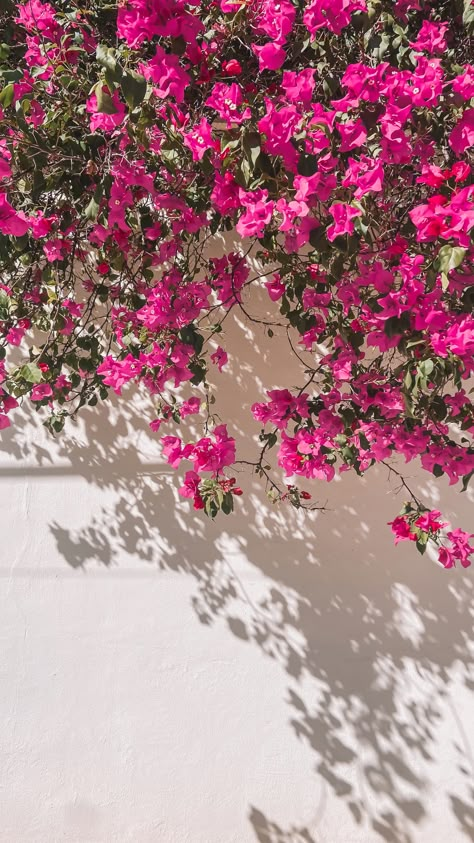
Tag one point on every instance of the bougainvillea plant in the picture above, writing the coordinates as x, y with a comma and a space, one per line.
336, 138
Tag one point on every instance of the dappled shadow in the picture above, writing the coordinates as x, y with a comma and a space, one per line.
464, 812
269, 832
371, 637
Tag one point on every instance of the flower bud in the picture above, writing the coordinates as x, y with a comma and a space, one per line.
232, 68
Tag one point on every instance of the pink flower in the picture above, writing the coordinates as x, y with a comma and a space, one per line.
290, 212
116, 373
190, 407
62, 383
334, 15
460, 170
227, 101
275, 287
258, 213
343, 220
461, 549
41, 225
11, 221
9, 403
396, 146
282, 407
37, 17
220, 358
299, 87
312, 299
279, 127
401, 529
270, 57
200, 139
41, 391
301, 454
431, 38
429, 219
462, 136
190, 489
464, 83
100, 120
432, 175
429, 521
353, 134
232, 68
36, 114
367, 174
365, 82
56, 250
15, 336
225, 194
297, 238
458, 339
213, 456
173, 450
446, 557
276, 19
425, 85
403, 6
166, 73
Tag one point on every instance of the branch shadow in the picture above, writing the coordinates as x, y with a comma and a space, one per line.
370, 637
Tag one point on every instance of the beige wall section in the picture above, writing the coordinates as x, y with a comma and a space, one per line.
263, 678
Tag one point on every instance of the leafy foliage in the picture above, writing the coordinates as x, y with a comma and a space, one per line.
336, 137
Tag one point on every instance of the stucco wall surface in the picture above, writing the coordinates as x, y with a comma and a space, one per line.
272, 677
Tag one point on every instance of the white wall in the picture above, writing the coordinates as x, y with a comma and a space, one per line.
269, 677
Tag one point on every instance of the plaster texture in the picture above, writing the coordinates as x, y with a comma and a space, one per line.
272, 677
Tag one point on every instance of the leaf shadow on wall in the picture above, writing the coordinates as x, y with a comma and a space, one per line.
370, 636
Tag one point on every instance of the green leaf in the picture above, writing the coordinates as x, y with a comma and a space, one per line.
243, 174
449, 257
93, 207
364, 442
9, 75
307, 164
438, 408
107, 59
92, 210
466, 479
190, 336
426, 367
210, 508
251, 147
31, 373
468, 14
421, 545
227, 504
105, 104
6, 96
271, 439
133, 87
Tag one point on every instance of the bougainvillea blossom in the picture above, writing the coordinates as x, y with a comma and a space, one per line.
335, 138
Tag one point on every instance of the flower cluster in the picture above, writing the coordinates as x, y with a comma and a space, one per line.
336, 137
420, 525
